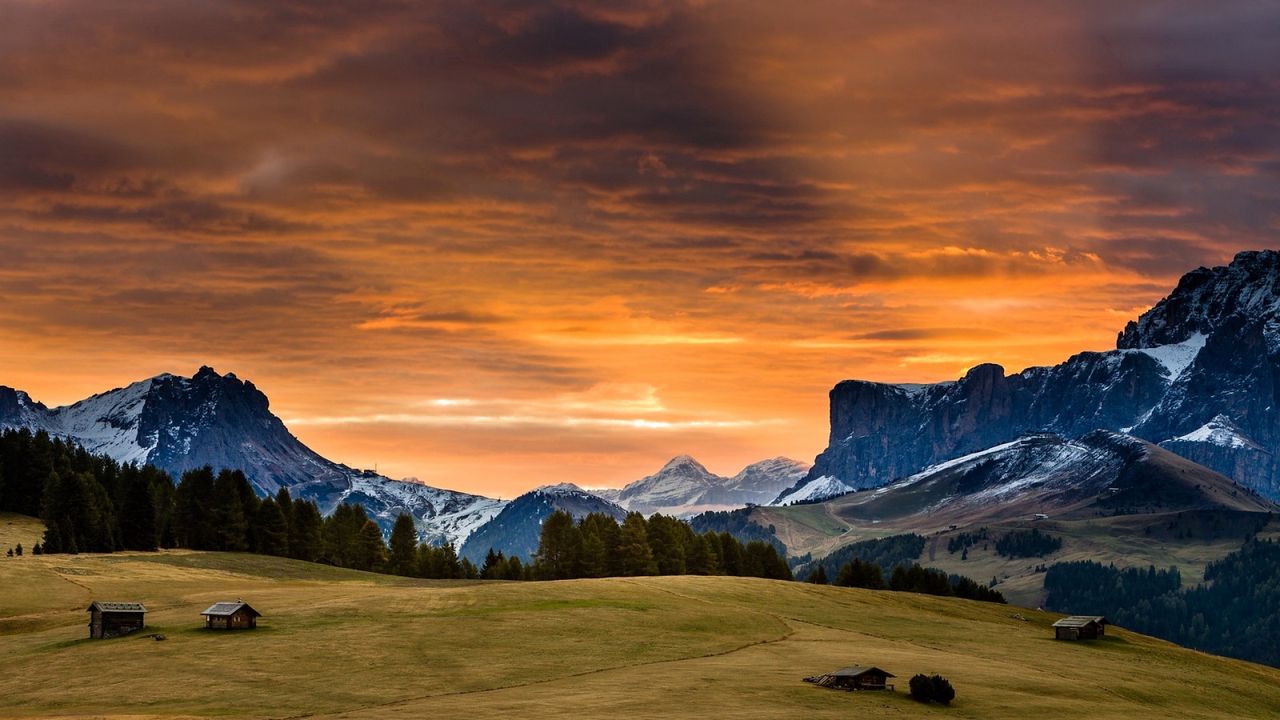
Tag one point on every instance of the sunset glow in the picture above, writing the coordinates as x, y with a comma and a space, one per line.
499, 245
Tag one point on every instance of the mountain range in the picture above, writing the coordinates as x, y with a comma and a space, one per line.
179, 423
1196, 374
684, 487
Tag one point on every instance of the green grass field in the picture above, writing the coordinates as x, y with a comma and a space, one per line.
335, 643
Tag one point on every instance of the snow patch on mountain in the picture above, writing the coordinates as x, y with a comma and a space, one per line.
1175, 357
107, 423
820, 488
1219, 431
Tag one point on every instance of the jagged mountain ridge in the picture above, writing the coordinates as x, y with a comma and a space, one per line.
517, 529
684, 487
1210, 350
178, 424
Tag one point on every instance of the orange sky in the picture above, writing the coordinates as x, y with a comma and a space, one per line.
496, 245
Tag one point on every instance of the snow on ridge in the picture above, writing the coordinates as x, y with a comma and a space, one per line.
820, 488
447, 514
563, 488
107, 423
1219, 431
1175, 357
964, 459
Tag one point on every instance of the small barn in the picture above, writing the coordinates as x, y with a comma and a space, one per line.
113, 619
854, 678
1080, 627
236, 615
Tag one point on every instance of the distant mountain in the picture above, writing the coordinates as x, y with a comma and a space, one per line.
178, 424
1198, 374
517, 529
684, 487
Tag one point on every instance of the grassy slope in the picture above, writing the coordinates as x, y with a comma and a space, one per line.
337, 643
19, 529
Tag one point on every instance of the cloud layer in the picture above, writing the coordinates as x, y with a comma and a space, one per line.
729, 205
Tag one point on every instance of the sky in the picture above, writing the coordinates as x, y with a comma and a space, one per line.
503, 244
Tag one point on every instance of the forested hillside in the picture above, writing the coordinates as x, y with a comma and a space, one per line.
1235, 612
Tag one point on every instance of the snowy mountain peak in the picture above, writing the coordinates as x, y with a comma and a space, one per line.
564, 488
685, 487
1205, 298
680, 462
178, 424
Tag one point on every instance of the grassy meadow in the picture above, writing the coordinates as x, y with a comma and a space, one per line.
336, 643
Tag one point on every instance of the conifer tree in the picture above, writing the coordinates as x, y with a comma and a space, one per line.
492, 562
664, 542
230, 525
403, 558
193, 510
371, 552
304, 531
515, 569
138, 516
450, 566
634, 552
594, 562
730, 555
559, 547
270, 531
285, 501
818, 576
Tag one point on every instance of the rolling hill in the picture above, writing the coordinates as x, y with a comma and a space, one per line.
336, 643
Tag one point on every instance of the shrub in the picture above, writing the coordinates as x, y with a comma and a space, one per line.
921, 688
934, 688
942, 690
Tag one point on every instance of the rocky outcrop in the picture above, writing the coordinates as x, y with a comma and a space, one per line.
1212, 348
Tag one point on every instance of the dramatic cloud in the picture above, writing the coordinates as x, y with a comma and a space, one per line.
721, 208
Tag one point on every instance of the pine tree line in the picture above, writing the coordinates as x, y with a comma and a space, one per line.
600, 546
907, 578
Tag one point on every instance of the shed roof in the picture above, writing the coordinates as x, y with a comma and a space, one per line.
1080, 621
227, 608
859, 671
104, 606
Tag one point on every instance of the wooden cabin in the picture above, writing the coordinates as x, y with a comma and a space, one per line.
113, 619
854, 678
1080, 627
231, 616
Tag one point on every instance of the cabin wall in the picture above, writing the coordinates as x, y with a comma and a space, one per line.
108, 625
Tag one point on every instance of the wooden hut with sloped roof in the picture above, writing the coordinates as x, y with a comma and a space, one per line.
228, 615
113, 619
857, 677
1080, 627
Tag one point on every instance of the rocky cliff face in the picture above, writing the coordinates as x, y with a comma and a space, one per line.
1210, 349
